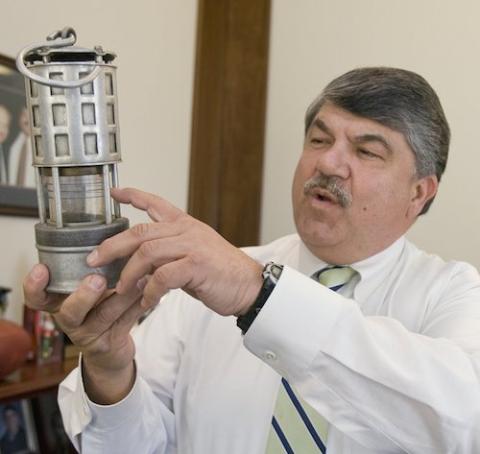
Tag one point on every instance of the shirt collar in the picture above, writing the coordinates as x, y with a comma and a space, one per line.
307, 262
372, 270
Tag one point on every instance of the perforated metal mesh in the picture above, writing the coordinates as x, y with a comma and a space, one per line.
77, 126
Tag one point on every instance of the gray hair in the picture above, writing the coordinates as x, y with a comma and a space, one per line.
399, 99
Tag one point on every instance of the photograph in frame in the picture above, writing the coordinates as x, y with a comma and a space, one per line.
17, 176
52, 437
17, 428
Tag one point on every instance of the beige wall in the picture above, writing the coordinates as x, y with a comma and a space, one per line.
312, 41
154, 41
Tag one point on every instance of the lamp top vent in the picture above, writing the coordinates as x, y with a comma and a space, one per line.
70, 54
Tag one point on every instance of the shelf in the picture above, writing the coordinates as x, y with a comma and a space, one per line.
31, 379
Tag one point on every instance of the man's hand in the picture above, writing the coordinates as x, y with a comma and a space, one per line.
98, 321
178, 251
175, 251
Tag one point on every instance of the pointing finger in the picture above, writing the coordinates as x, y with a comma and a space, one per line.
157, 208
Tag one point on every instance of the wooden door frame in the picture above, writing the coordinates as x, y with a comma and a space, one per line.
228, 118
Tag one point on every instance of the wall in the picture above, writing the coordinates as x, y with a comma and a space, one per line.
154, 41
313, 41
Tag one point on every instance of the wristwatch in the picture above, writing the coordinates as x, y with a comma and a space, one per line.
271, 274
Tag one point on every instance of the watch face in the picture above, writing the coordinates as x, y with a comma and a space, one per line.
276, 270
272, 272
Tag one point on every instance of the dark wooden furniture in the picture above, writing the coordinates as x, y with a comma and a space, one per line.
31, 380
39, 384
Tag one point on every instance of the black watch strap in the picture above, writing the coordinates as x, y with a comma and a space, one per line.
271, 273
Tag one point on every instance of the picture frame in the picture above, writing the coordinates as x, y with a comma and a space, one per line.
52, 437
18, 434
17, 177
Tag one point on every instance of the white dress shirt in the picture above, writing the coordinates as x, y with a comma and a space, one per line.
395, 369
16, 149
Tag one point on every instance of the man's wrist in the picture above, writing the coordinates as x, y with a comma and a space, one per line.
252, 291
271, 273
105, 387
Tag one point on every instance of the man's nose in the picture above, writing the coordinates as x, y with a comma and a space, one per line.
334, 160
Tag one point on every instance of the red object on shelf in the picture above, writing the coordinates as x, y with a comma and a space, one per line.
15, 344
47, 339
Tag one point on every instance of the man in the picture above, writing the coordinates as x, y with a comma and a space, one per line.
20, 170
5, 120
14, 440
389, 356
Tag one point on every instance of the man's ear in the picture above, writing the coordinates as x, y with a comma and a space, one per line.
423, 190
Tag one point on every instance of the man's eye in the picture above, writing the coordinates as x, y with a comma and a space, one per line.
317, 141
368, 154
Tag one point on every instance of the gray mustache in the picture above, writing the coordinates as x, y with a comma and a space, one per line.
330, 184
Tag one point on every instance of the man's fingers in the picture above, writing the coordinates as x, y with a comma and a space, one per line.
34, 287
103, 317
126, 243
157, 208
128, 319
150, 255
177, 274
107, 313
126, 310
118, 334
76, 306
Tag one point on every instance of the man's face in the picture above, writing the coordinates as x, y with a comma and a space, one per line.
4, 124
12, 420
23, 122
366, 195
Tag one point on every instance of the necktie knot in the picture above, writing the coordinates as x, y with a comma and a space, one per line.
334, 277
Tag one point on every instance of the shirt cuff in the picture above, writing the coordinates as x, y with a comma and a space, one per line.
107, 417
298, 318
103, 416
73, 404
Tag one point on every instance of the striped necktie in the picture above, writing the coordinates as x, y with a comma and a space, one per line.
296, 427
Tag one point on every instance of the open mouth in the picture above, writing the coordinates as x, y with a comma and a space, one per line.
323, 196
327, 189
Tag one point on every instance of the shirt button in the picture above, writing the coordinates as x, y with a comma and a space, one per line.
270, 356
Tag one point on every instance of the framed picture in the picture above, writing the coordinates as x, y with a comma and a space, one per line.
17, 176
52, 438
17, 428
